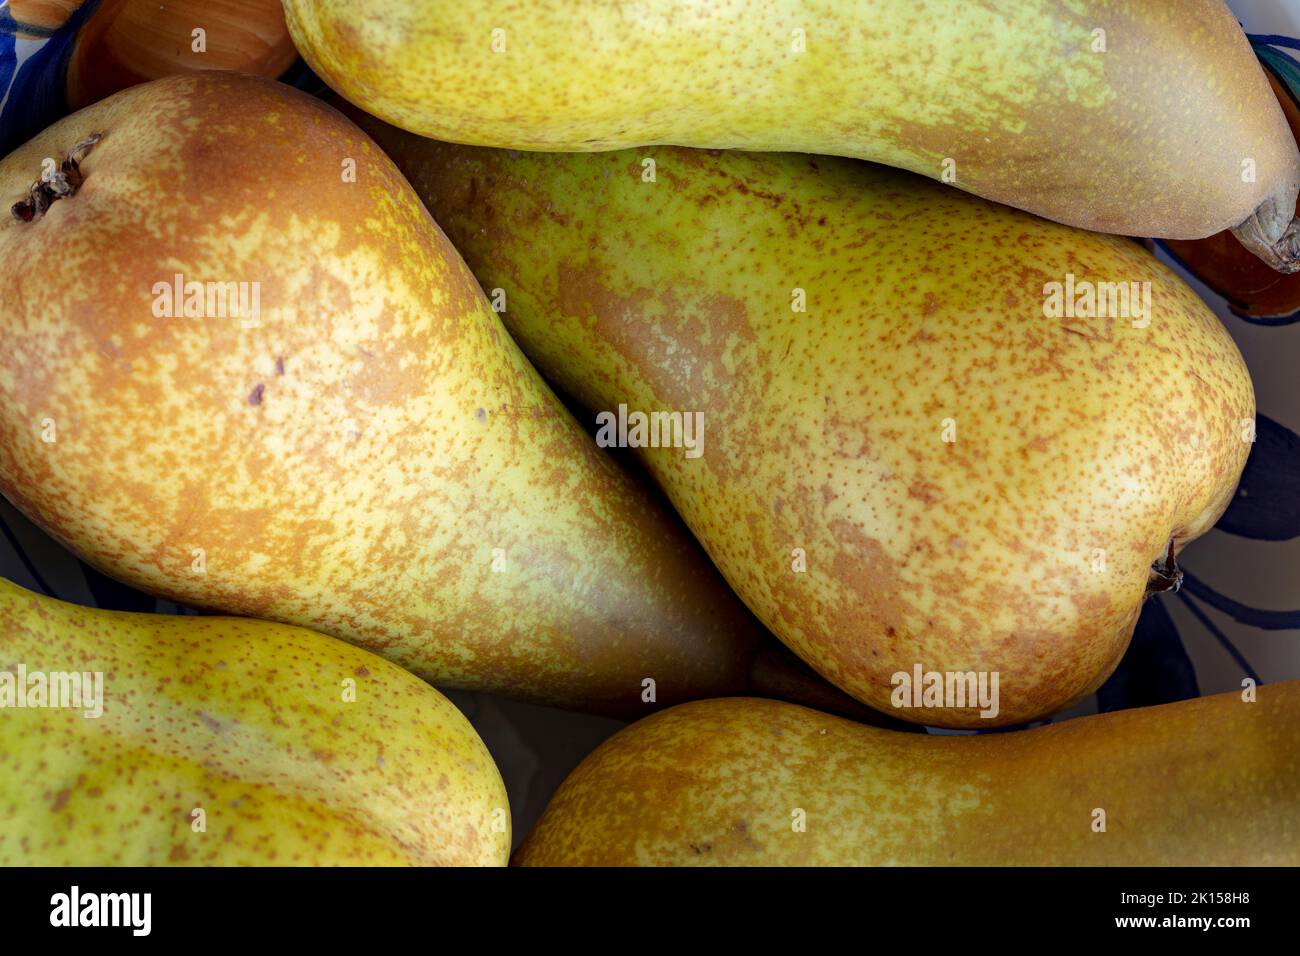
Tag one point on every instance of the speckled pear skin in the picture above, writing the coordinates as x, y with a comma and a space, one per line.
825, 429
360, 461
1147, 138
1208, 782
247, 721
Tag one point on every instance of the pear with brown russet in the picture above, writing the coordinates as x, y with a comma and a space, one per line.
763, 783
938, 432
244, 369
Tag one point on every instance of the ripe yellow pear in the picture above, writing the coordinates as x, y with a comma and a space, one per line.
230, 742
244, 369
748, 782
922, 446
1125, 116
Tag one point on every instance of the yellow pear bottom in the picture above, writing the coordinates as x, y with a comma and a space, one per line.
937, 433
748, 782
154, 739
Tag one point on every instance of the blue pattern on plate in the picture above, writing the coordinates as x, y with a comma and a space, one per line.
8, 51
38, 91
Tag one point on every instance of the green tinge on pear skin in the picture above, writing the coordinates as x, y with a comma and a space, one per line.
223, 741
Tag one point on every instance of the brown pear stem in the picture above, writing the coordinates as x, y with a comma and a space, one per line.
55, 183
1165, 574
1273, 233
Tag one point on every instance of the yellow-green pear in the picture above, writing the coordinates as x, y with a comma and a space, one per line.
936, 435
748, 782
156, 739
1126, 116
244, 369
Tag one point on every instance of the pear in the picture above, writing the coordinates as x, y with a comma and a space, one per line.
1124, 116
154, 739
245, 370
748, 782
125, 42
937, 433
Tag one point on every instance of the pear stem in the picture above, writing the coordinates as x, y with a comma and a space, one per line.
1273, 234
56, 182
1165, 574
